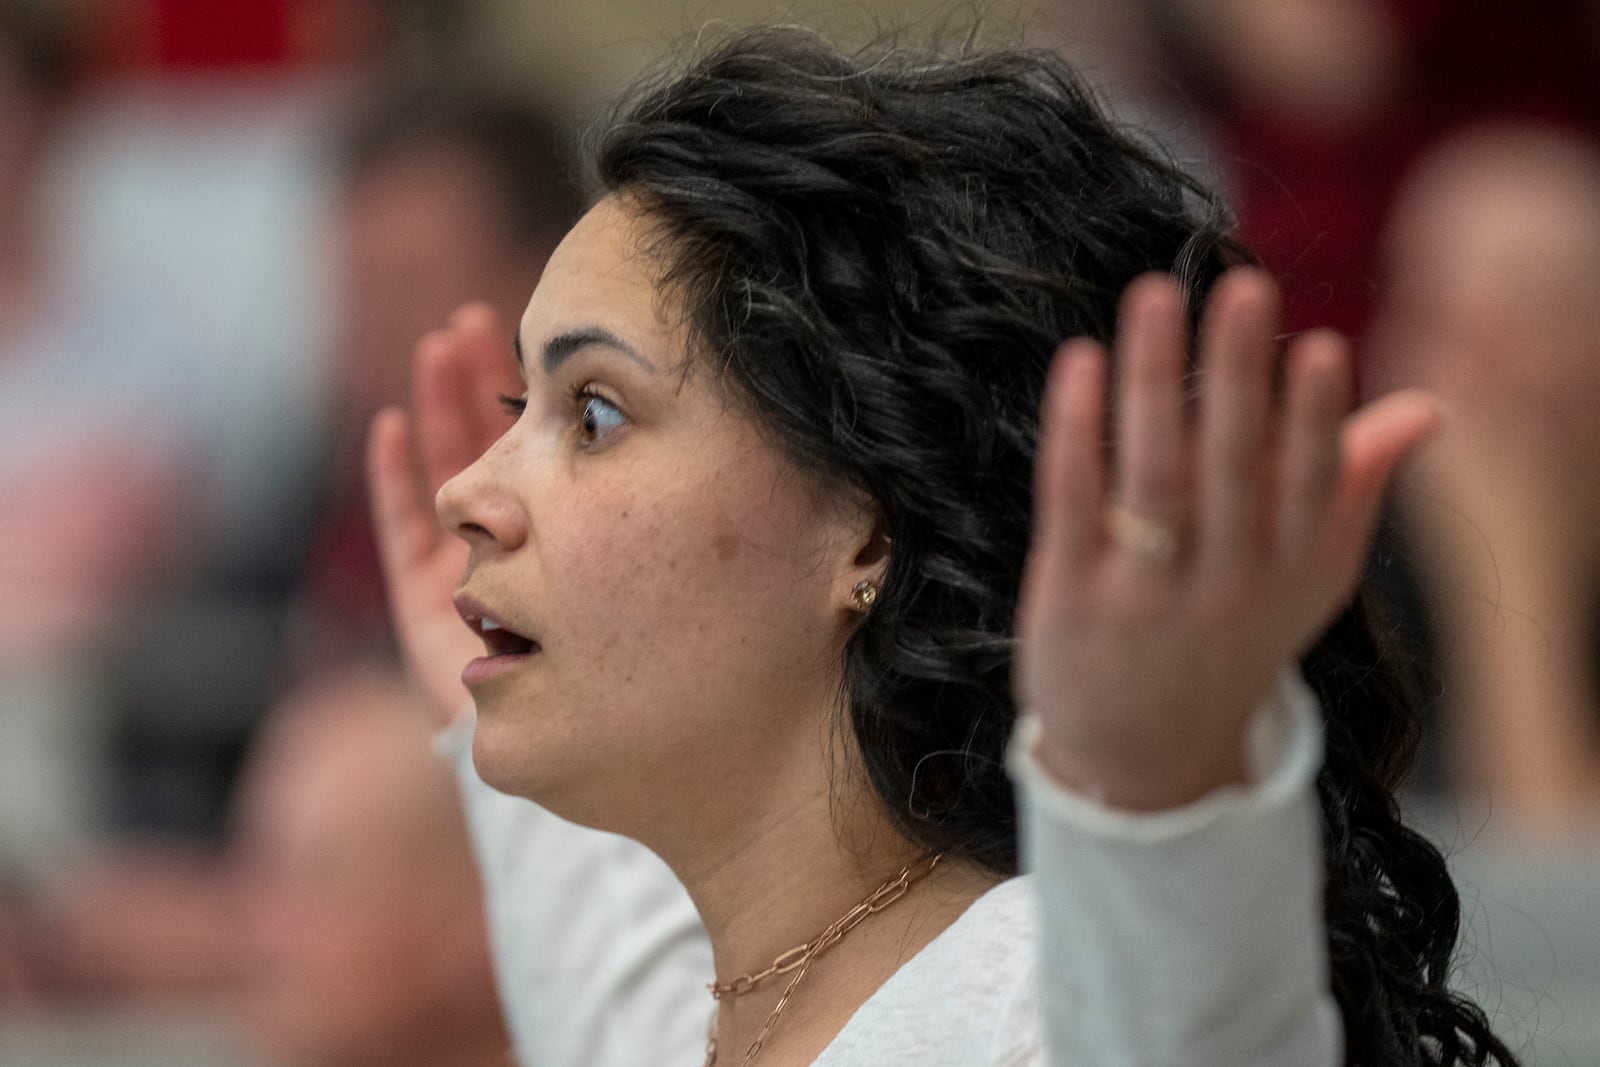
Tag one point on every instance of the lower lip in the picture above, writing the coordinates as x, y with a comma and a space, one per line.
486, 669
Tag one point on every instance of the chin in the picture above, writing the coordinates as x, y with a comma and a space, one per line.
515, 758
589, 784
506, 758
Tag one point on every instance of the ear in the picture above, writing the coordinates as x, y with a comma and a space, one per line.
865, 561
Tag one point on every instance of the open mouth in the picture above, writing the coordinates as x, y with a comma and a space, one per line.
499, 641
505, 650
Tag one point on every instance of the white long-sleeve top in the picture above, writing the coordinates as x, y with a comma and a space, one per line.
1189, 937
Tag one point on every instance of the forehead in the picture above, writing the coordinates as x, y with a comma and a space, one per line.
601, 275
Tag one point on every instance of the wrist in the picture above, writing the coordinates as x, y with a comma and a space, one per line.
1143, 778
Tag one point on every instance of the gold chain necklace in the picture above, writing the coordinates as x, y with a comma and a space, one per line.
798, 959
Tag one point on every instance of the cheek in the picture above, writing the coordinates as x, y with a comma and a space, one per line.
669, 590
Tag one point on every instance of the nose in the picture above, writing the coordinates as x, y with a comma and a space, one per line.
478, 505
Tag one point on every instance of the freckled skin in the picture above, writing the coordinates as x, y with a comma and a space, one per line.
687, 586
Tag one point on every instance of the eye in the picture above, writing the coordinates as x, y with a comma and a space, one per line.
597, 416
513, 405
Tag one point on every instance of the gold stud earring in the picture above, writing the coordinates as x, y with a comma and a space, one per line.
863, 594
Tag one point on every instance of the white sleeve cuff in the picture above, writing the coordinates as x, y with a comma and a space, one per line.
1193, 935
1283, 753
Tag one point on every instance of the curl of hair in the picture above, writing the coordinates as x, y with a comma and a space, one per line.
878, 255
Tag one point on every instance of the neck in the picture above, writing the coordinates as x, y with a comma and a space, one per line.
786, 863
789, 876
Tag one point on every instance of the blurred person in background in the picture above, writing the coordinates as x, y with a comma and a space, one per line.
1493, 251
167, 415
156, 413
85, 491
1493, 255
443, 195
449, 195
365, 943
202, 186
436, 196
343, 928
1316, 109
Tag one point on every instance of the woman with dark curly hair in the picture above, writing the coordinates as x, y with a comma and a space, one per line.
817, 498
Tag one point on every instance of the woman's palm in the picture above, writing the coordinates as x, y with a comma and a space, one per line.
459, 374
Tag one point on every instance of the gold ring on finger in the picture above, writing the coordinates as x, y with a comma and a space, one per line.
1152, 540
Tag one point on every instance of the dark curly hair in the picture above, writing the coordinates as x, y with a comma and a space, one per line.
878, 254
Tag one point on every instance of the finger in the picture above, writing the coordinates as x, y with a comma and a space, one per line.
487, 366
1373, 442
1236, 360
1069, 475
450, 430
1317, 396
1151, 435
402, 516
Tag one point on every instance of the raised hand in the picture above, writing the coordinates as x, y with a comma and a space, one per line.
459, 375
1172, 575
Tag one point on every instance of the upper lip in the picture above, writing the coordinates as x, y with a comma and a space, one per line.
475, 614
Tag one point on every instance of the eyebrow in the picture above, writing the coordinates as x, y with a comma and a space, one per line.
563, 345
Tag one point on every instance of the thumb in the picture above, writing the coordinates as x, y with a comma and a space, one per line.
1374, 441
